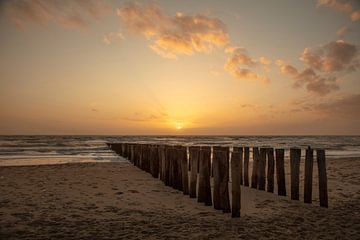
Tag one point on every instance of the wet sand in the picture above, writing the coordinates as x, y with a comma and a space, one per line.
117, 200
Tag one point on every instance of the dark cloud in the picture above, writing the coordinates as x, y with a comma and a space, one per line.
309, 79
332, 57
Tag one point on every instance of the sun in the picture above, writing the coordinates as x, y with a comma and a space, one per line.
178, 127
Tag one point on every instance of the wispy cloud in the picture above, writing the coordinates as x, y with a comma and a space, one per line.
342, 106
342, 32
344, 6
172, 36
112, 37
241, 65
65, 13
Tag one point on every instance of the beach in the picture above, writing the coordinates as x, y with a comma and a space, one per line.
118, 200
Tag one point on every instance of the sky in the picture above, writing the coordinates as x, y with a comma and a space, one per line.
232, 67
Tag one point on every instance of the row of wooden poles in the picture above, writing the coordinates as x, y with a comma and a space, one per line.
183, 168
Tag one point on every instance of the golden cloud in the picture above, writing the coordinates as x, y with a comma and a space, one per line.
240, 65
173, 36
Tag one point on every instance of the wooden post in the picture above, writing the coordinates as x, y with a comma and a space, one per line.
240, 149
193, 158
142, 163
217, 155
246, 166
167, 165
224, 180
148, 158
156, 162
151, 160
270, 170
136, 154
280, 172
254, 176
323, 192
171, 167
262, 169
295, 155
309, 160
161, 164
184, 170
177, 168
204, 191
236, 161
122, 149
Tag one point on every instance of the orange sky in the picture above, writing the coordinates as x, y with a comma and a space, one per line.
175, 67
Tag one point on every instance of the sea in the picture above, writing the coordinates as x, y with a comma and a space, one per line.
37, 150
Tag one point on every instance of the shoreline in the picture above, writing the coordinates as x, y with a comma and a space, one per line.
124, 160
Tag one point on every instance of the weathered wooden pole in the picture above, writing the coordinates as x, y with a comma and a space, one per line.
123, 149
270, 170
161, 162
224, 180
143, 157
217, 155
177, 169
171, 166
148, 147
309, 161
240, 149
280, 172
295, 155
261, 169
254, 176
167, 165
136, 154
236, 161
193, 158
323, 192
156, 162
246, 166
204, 191
151, 160
184, 170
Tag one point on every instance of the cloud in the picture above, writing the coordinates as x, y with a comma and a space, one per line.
315, 83
240, 64
309, 79
342, 32
66, 13
112, 37
287, 69
172, 36
327, 60
343, 106
332, 57
344, 6
355, 16
264, 61
338, 5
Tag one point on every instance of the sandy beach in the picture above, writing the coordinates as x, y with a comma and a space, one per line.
117, 200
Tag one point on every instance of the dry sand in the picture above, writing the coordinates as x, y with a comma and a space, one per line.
117, 200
